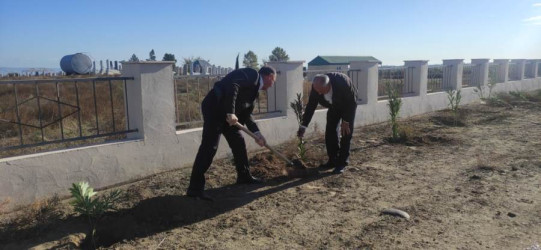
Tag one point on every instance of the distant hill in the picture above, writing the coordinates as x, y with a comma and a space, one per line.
5, 70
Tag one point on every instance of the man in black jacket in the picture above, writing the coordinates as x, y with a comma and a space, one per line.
335, 92
230, 101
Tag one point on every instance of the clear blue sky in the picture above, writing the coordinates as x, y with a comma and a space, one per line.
39, 33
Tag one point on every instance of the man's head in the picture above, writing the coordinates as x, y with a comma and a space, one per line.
268, 74
321, 85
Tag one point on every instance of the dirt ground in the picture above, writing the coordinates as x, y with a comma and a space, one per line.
476, 185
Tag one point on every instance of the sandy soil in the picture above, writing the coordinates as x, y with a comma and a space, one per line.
476, 185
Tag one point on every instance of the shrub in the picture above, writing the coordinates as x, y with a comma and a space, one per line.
518, 95
395, 102
298, 107
454, 98
481, 92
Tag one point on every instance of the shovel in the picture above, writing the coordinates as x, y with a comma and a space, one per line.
295, 163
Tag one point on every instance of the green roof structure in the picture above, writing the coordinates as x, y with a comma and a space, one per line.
339, 60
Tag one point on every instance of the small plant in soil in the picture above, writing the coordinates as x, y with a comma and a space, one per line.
395, 102
454, 98
92, 208
298, 107
521, 96
481, 92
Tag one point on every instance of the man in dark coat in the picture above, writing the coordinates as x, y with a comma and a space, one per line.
335, 92
230, 101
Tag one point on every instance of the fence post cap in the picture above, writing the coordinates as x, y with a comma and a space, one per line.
452, 61
149, 62
415, 62
480, 60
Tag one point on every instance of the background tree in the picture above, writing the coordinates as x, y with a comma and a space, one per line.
133, 58
250, 60
170, 57
151, 56
278, 55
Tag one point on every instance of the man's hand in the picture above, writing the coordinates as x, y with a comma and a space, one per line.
344, 127
231, 119
260, 139
301, 131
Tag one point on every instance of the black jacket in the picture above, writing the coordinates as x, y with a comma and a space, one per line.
344, 99
236, 94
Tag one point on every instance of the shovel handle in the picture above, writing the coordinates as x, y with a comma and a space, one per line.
250, 133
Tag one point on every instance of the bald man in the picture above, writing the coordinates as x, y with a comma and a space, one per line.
335, 92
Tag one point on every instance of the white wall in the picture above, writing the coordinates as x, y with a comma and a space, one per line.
158, 146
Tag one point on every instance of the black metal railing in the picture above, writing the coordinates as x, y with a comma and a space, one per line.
494, 74
514, 72
56, 111
529, 71
398, 77
435, 78
190, 91
471, 75
393, 76
467, 72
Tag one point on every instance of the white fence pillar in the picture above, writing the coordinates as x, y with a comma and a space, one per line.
418, 75
480, 71
289, 81
453, 78
503, 69
365, 75
150, 99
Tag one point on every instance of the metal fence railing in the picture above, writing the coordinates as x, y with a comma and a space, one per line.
393, 76
57, 111
529, 71
435, 81
471, 75
539, 69
190, 91
494, 74
514, 72
467, 72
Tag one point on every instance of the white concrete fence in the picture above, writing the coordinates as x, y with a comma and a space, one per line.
158, 147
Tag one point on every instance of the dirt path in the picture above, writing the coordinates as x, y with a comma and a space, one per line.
474, 186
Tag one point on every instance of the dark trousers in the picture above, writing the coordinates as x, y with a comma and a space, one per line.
214, 125
337, 149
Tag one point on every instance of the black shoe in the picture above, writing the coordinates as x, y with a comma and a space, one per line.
339, 169
326, 166
199, 195
248, 179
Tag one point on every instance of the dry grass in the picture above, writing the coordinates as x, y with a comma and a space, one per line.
3, 204
515, 98
31, 220
39, 212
